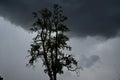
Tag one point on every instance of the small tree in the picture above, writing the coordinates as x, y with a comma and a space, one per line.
50, 42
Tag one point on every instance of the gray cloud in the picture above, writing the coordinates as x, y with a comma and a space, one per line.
14, 43
88, 61
86, 17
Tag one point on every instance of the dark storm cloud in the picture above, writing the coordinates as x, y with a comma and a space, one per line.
19, 12
86, 17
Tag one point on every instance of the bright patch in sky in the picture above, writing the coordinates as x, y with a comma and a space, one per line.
99, 58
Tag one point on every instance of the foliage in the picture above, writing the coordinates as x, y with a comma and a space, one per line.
50, 42
1, 78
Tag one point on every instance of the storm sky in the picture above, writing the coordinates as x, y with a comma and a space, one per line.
94, 37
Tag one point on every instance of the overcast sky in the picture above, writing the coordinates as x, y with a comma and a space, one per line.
94, 37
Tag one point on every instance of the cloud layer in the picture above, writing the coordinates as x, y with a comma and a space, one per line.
86, 17
88, 61
100, 60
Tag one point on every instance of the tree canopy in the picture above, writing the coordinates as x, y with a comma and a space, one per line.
51, 41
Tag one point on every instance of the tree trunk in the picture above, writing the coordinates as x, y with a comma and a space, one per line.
55, 77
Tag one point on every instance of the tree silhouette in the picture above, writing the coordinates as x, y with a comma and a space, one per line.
1, 78
50, 42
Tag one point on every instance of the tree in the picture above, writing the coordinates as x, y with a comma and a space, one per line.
1, 78
50, 42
